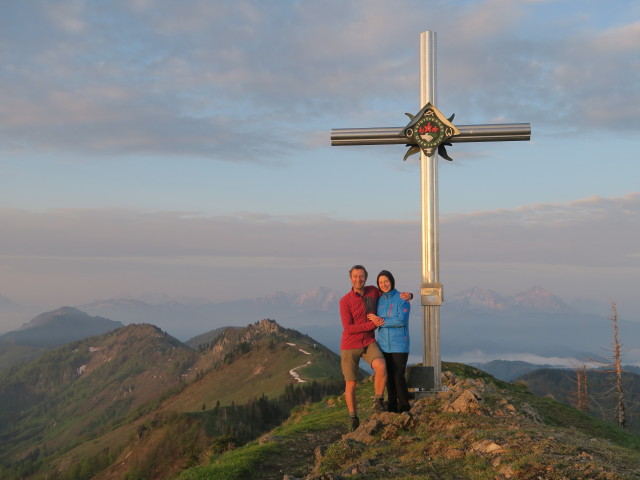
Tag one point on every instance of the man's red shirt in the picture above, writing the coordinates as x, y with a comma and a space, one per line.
358, 331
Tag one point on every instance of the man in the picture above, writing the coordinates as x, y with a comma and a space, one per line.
358, 340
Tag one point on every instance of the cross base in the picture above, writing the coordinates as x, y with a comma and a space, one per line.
421, 380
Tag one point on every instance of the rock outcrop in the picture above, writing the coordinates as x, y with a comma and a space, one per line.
472, 429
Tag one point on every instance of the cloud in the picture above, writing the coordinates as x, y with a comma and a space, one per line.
593, 231
584, 248
478, 356
632, 357
246, 81
121, 232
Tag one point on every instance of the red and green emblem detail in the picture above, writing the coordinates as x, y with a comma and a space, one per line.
429, 129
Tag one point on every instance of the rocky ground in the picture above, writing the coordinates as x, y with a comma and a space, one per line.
474, 429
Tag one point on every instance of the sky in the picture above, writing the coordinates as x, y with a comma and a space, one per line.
183, 148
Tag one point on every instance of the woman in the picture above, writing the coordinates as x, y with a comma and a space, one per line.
393, 338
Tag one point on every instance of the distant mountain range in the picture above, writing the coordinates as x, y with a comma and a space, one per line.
476, 325
6, 303
508, 371
536, 299
185, 320
533, 323
48, 330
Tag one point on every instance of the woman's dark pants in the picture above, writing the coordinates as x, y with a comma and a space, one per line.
397, 392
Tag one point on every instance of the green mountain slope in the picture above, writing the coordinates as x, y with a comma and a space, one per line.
561, 385
257, 359
240, 386
138, 400
136, 404
74, 393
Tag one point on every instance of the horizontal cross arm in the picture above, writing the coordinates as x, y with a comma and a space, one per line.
501, 132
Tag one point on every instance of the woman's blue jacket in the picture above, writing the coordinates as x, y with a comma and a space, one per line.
393, 336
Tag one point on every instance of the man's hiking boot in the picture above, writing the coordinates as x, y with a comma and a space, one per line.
378, 406
355, 423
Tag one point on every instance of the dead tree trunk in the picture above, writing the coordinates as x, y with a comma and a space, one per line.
617, 356
579, 402
582, 388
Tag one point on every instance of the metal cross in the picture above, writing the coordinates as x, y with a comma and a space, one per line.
428, 132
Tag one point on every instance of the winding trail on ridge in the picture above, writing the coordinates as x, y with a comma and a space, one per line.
293, 372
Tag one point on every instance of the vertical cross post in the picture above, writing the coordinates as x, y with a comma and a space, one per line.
428, 132
429, 196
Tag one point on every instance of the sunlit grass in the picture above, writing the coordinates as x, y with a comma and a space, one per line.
239, 463
234, 465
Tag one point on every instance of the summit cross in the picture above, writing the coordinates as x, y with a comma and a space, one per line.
428, 132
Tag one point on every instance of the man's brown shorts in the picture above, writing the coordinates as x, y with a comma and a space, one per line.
350, 359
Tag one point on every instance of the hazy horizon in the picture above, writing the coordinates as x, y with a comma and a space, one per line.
557, 336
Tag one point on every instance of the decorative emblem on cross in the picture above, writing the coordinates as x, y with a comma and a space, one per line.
429, 131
